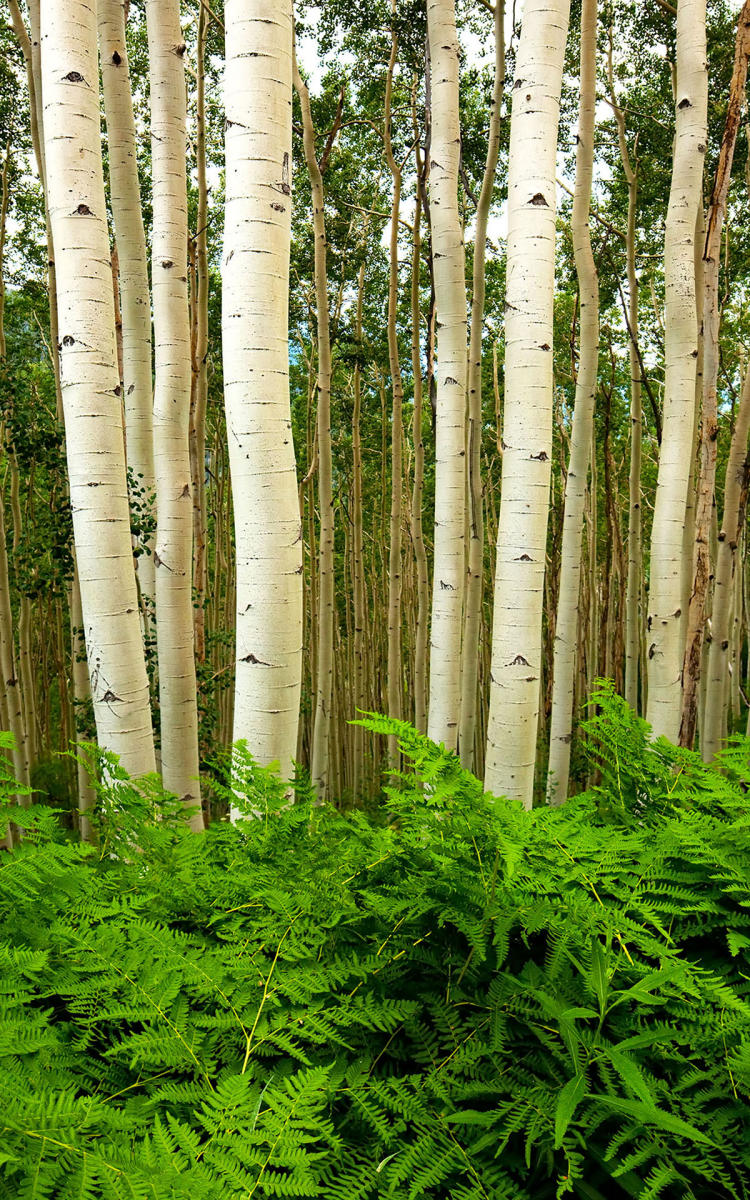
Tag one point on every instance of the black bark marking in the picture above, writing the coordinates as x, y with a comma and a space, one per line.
74, 77
116, 59
83, 210
539, 201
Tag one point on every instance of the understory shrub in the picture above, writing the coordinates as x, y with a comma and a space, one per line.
453, 999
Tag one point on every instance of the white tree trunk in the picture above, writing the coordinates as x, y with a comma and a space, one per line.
735, 499
566, 626
449, 567
268, 533
470, 651
90, 382
665, 624
131, 245
174, 507
527, 425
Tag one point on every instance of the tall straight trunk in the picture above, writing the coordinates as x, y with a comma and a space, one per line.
268, 531
395, 679
475, 573
199, 347
30, 48
528, 403
90, 383
26, 673
710, 412
633, 616
449, 563
173, 557
133, 264
566, 626
417, 497
358, 565
10, 682
324, 664
735, 499
665, 648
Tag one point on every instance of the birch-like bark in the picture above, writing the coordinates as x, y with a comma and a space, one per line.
449, 562
359, 592
268, 531
633, 617
135, 299
90, 382
199, 344
173, 556
665, 648
475, 573
324, 665
710, 413
735, 499
528, 403
29, 43
566, 626
395, 679
417, 532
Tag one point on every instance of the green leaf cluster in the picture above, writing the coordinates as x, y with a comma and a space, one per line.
451, 998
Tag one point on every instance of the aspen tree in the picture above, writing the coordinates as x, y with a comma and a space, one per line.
566, 625
10, 683
395, 683
268, 532
417, 532
665, 649
90, 382
733, 515
199, 349
528, 403
450, 438
133, 263
358, 569
710, 414
29, 43
633, 618
173, 557
475, 549
324, 659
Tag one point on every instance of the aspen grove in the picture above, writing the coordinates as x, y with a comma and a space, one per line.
389, 361
374, 599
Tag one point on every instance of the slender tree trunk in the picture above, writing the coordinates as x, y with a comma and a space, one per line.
665, 649
710, 415
417, 497
528, 404
90, 382
633, 615
475, 574
10, 682
450, 449
566, 626
268, 532
735, 498
324, 666
133, 264
173, 558
395, 661
358, 565
199, 388
30, 49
